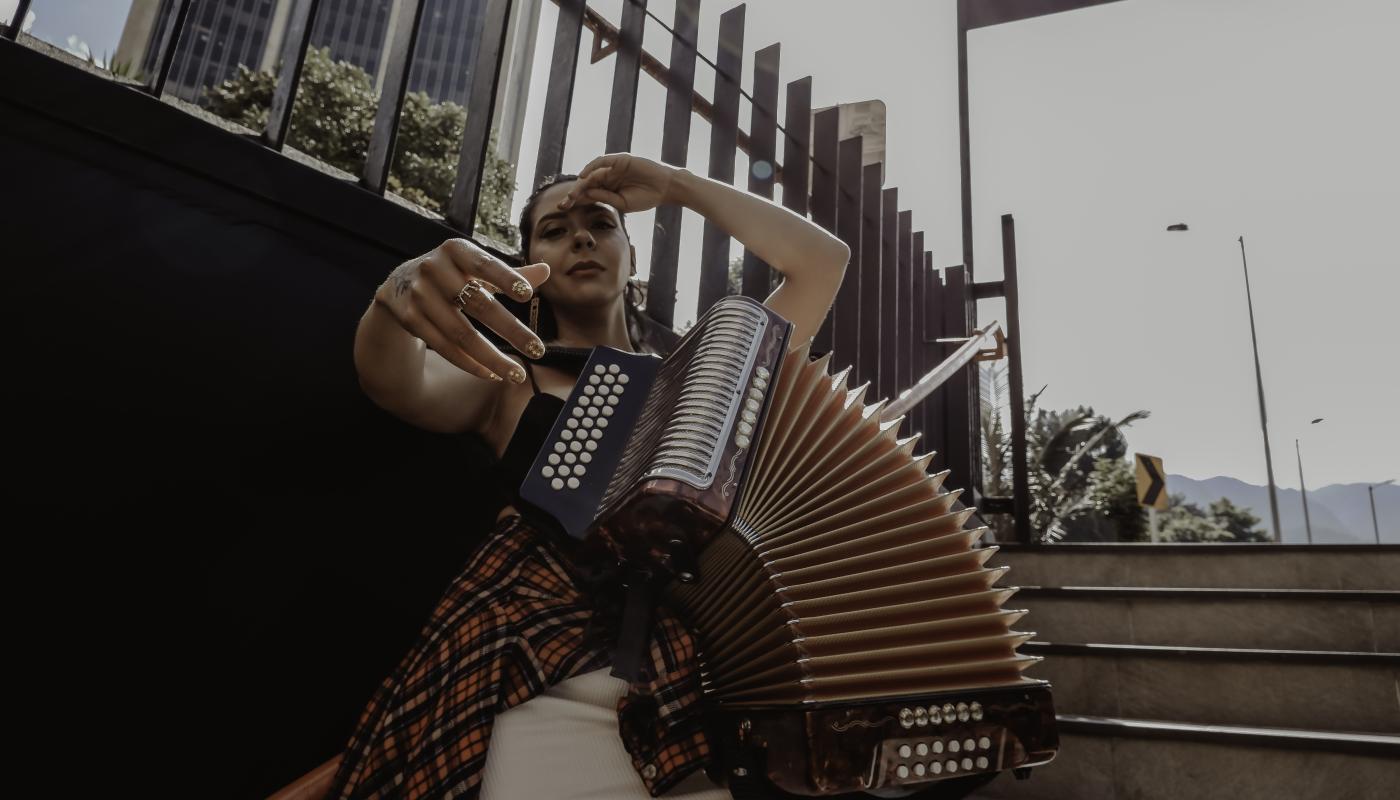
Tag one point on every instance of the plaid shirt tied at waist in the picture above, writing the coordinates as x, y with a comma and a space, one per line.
514, 623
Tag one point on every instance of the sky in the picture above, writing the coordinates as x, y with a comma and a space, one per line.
1096, 129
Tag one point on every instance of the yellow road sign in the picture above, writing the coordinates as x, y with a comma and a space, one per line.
1151, 482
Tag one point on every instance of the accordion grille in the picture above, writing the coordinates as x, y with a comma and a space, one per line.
683, 425
846, 573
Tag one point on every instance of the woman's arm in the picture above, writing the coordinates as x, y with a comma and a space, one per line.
811, 260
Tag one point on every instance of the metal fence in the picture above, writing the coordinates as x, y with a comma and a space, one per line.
896, 315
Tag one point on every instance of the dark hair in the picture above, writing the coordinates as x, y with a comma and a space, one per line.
644, 332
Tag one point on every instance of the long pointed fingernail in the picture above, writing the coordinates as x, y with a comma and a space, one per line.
517, 375
534, 348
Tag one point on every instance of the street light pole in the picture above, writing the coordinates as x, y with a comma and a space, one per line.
1371, 490
1303, 487
1307, 520
1263, 417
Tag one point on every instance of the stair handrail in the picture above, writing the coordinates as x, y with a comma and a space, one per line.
972, 349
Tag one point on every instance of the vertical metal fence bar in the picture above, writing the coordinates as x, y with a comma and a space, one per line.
559, 92
845, 330
763, 155
675, 143
11, 32
904, 318
724, 138
915, 423
476, 138
935, 405
170, 42
889, 300
825, 130
626, 68
868, 367
1020, 476
959, 444
398, 63
797, 146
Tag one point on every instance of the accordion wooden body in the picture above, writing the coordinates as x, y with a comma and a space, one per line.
852, 637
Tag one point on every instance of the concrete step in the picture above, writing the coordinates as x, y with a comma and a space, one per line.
1273, 619
1325, 691
1237, 566
1120, 759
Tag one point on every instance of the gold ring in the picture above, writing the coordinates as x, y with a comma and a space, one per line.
473, 286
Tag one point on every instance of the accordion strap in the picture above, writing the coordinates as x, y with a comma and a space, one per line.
634, 632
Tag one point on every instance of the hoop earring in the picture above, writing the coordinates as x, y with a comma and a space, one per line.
535, 314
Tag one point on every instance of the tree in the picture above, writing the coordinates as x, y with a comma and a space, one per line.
332, 120
1241, 523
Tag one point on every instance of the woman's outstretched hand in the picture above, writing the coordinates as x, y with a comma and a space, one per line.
423, 295
624, 181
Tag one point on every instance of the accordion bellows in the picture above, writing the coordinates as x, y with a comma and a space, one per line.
847, 573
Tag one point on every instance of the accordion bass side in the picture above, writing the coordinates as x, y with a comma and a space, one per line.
852, 637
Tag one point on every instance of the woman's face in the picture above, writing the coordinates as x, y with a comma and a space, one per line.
587, 251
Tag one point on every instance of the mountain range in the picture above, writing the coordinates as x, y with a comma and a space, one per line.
1340, 513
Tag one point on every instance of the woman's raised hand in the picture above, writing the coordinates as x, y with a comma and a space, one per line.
428, 296
623, 181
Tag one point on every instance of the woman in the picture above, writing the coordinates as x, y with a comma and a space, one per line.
513, 656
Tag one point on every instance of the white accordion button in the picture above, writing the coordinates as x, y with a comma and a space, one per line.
570, 458
556, 484
752, 405
906, 718
574, 446
919, 770
560, 447
949, 713
584, 457
745, 429
578, 411
962, 712
920, 717
596, 433
590, 389
935, 767
969, 745
904, 751
564, 471
954, 746
902, 771
937, 747
571, 422
548, 472
580, 470
610, 378
984, 743
590, 444
612, 400
922, 749
934, 715
594, 380
950, 765
599, 369
593, 412
603, 423
573, 483
742, 442
976, 711
748, 416
587, 422
982, 762
763, 373
607, 411
614, 369
623, 378
554, 458
566, 434
967, 763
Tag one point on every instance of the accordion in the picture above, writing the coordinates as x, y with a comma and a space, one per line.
852, 638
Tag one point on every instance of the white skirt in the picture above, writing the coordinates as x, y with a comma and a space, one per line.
564, 744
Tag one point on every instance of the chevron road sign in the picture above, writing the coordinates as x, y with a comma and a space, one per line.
1151, 482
